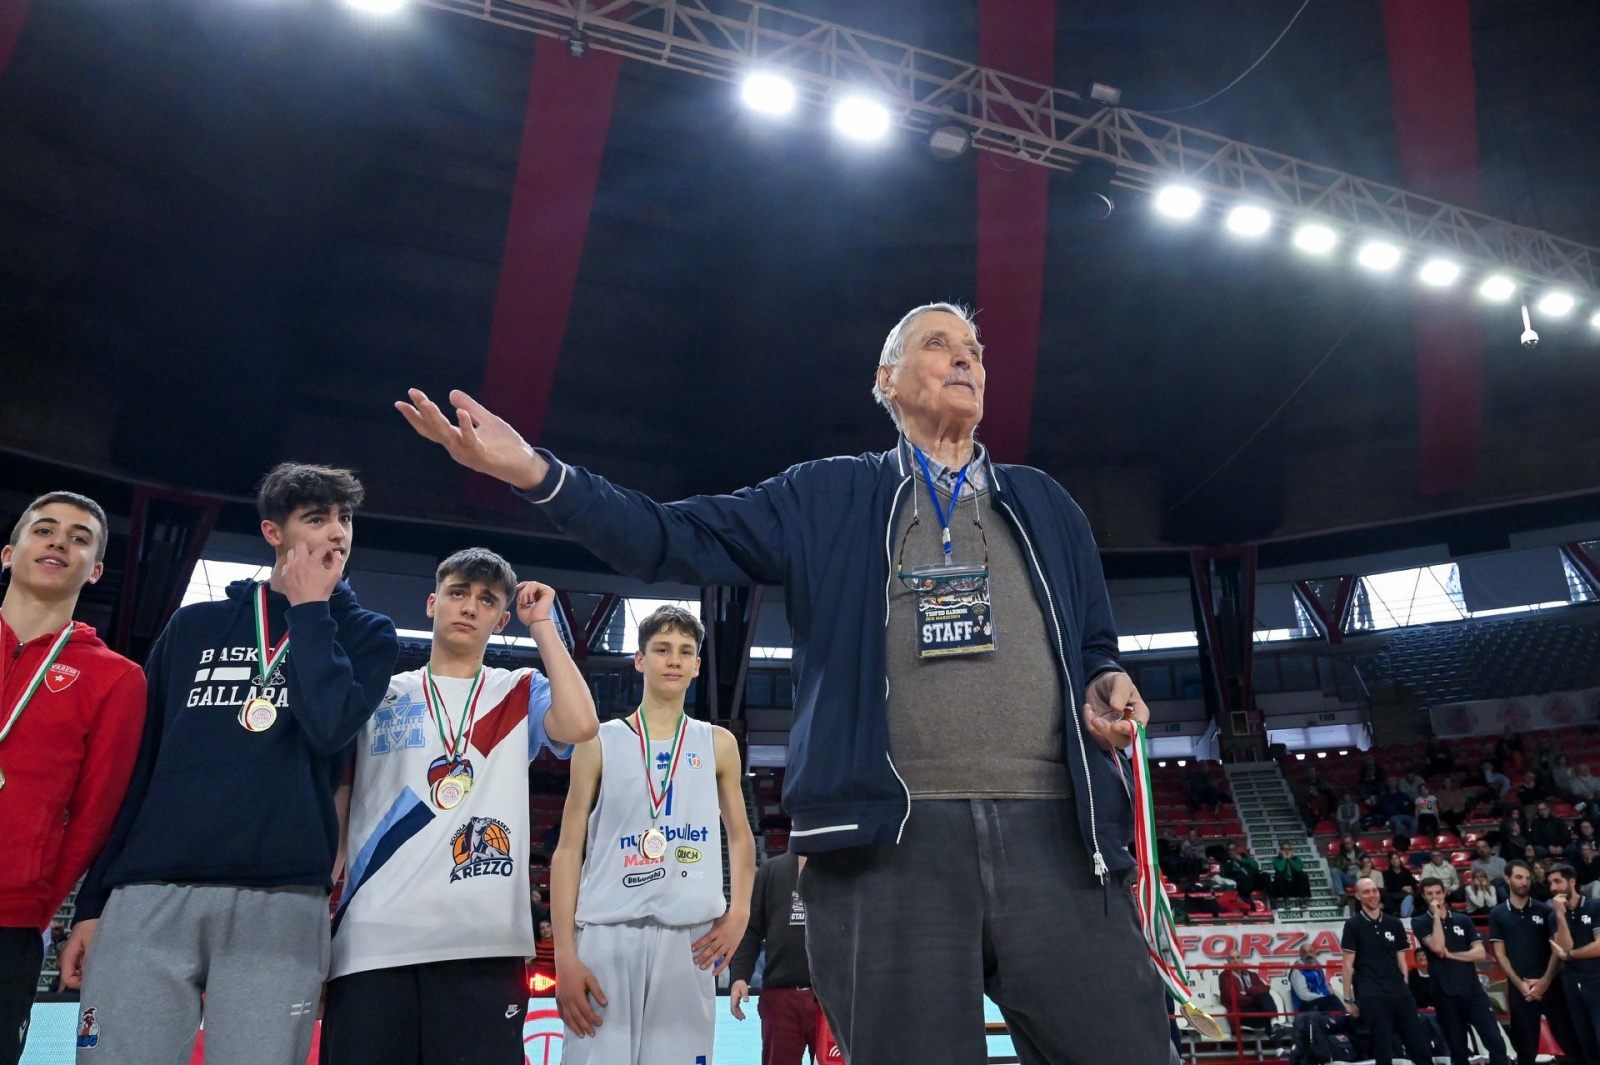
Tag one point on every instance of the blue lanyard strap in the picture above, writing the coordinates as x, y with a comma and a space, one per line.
933, 494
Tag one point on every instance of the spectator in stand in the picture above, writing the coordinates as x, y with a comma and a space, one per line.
1548, 833
1530, 793
1348, 815
1539, 886
1441, 762
1585, 833
1585, 785
1508, 754
1561, 776
1369, 778
1489, 863
1193, 858
1497, 783
552, 837
541, 911
1308, 985
1366, 870
544, 947
1345, 872
1203, 791
1587, 866
1241, 867
1441, 870
1481, 895
1513, 837
1315, 798
1350, 847
1403, 886
1426, 807
1289, 879
1453, 803
1396, 807
1245, 996
1404, 855
1412, 784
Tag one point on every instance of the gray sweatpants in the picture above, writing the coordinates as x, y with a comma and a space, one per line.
257, 955
659, 1006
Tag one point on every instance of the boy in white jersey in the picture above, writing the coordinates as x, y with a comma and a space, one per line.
641, 925
433, 928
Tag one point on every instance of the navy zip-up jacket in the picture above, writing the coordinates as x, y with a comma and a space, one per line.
212, 803
823, 529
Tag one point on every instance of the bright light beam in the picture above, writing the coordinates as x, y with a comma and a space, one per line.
1248, 220
1557, 304
1439, 273
1497, 288
768, 93
861, 118
1178, 201
1378, 255
1316, 239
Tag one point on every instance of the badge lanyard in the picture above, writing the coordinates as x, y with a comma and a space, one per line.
1155, 913
933, 494
455, 744
269, 662
32, 689
658, 801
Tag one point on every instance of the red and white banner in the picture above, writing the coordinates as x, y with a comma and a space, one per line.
1273, 948
1491, 717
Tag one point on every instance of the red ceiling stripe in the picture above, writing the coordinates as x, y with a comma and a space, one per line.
563, 142
1435, 112
13, 14
1016, 36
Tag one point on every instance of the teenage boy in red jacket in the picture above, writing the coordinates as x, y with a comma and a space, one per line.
71, 713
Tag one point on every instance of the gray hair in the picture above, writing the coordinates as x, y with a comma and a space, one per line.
894, 345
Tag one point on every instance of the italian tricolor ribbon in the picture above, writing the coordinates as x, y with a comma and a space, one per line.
658, 800
269, 660
38, 678
1155, 912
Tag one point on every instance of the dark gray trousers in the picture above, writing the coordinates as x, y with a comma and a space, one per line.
980, 897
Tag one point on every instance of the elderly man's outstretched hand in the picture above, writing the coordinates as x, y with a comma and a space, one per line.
479, 439
1109, 696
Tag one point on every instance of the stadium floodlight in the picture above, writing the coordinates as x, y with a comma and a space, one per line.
1178, 201
768, 93
377, 7
1556, 304
1315, 238
1378, 255
1595, 320
1439, 272
1249, 220
949, 141
861, 118
1497, 288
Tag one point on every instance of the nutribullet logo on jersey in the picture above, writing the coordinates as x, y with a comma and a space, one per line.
481, 847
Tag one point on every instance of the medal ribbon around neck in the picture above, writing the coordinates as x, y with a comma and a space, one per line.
38, 678
658, 802
269, 662
455, 745
1155, 913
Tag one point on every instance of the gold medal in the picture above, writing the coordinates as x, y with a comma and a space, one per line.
1201, 1021
449, 791
258, 715
653, 845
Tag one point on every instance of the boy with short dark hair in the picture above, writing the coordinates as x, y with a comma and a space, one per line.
434, 923
636, 882
70, 714
215, 879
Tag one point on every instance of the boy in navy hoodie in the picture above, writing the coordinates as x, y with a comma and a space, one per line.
215, 879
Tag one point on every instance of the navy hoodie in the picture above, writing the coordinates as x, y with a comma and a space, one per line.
213, 803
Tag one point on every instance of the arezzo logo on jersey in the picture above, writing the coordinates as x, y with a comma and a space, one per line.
481, 847
398, 723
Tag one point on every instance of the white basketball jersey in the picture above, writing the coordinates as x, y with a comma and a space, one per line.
684, 885
424, 883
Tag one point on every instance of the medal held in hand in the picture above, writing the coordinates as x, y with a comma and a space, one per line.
34, 685
450, 776
1155, 913
653, 841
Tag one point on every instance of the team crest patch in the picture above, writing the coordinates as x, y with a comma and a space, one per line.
481, 847
88, 1029
60, 677
693, 760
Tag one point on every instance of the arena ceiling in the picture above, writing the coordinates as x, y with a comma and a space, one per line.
234, 231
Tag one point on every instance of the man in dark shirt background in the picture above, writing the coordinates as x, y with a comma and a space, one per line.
1454, 948
1520, 929
788, 1009
1375, 946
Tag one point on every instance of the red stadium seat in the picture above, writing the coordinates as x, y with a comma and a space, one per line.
1381, 863
1326, 828
1461, 858
1448, 840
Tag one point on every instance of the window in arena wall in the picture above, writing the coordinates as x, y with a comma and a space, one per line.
211, 578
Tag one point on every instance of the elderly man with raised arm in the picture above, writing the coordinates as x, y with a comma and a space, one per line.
953, 771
